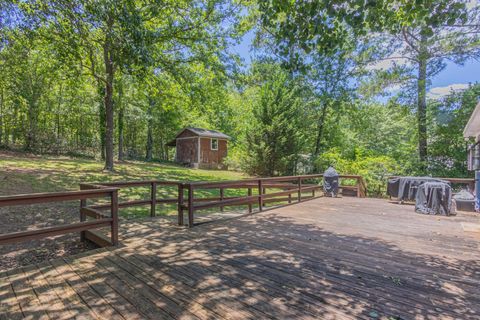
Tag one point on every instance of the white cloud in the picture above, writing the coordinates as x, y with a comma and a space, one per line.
386, 64
394, 88
472, 4
440, 92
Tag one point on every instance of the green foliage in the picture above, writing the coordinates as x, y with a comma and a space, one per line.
275, 136
421, 35
299, 27
110, 39
374, 169
80, 77
447, 119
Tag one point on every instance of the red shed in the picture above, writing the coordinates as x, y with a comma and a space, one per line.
201, 148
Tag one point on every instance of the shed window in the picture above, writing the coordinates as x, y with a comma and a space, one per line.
214, 144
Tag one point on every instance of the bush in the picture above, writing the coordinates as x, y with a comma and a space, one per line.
374, 169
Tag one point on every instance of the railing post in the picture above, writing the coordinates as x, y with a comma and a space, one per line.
359, 193
260, 200
264, 193
299, 189
153, 198
83, 216
114, 216
221, 198
289, 197
249, 203
190, 205
180, 204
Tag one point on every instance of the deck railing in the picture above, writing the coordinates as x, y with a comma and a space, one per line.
285, 189
85, 227
93, 216
152, 201
469, 182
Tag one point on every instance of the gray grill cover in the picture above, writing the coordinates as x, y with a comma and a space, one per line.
434, 198
405, 188
330, 181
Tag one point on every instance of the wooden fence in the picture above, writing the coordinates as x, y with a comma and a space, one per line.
152, 201
92, 216
283, 189
86, 227
469, 182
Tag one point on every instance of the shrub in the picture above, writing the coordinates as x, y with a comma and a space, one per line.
374, 169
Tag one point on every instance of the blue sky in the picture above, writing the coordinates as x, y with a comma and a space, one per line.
453, 77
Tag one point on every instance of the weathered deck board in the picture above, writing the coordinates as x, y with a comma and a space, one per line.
326, 258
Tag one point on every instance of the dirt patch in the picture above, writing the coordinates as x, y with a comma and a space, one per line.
32, 252
16, 154
22, 218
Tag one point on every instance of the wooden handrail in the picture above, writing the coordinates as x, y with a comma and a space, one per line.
101, 220
289, 185
153, 200
285, 186
34, 198
219, 184
296, 186
135, 183
53, 231
468, 181
453, 180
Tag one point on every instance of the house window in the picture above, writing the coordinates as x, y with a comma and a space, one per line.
214, 144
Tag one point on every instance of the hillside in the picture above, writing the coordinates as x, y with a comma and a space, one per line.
20, 173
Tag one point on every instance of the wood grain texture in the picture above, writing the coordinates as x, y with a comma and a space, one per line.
327, 258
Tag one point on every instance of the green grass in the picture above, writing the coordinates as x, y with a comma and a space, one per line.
29, 174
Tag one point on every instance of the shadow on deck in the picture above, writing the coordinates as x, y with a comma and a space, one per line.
323, 259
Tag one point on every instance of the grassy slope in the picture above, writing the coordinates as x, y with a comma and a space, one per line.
27, 174
23, 174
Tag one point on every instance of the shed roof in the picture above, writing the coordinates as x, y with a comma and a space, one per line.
201, 133
206, 133
472, 129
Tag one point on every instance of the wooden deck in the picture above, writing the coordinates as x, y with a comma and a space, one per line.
344, 258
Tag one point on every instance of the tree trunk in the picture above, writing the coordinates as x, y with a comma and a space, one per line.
422, 103
31, 134
149, 146
14, 127
321, 122
108, 101
1, 116
120, 133
120, 121
59, 106
318, 139
101, 120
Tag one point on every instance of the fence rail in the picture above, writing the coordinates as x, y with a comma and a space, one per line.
470, 182
93, 216
85, 227
153, 199
291, 188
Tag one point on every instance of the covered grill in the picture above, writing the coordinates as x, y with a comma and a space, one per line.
405, 188
434, 198
330, 182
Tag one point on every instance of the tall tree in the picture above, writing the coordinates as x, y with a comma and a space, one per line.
430, 32
107, 36
275, 137
446, 33
109, 33
446, 120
